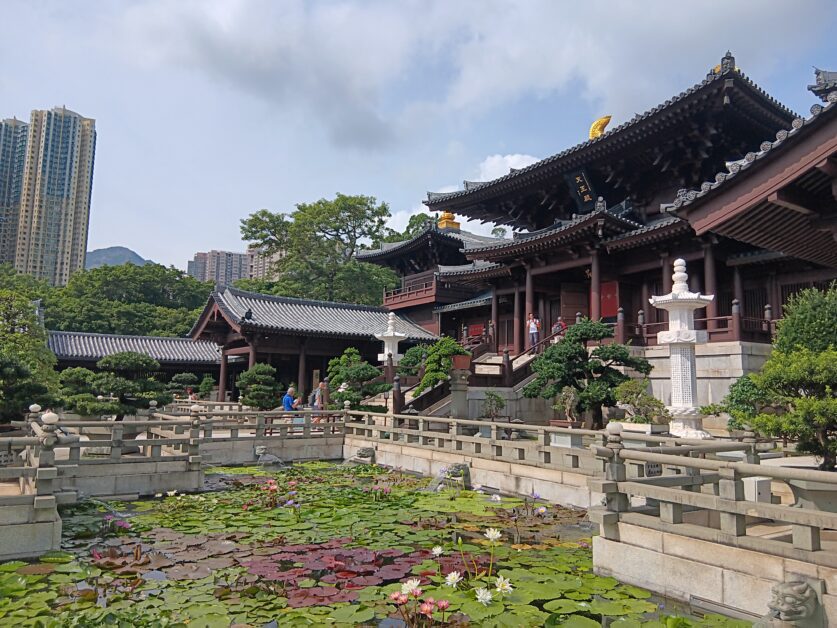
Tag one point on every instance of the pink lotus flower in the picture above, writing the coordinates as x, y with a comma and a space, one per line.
292, 483
245, 506
96, 555
442, 605
426, 609
395, 595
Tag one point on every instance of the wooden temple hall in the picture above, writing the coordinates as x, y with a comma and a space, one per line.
721, 175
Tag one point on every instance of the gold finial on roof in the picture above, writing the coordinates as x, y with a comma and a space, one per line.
447, 221
597, 129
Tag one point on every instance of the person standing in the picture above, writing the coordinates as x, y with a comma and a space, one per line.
289, 404
534, 327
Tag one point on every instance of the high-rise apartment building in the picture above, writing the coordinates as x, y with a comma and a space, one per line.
50, 209
225, 267
220, 267
13, 136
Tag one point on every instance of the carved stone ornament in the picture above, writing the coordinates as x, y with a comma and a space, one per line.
793, 604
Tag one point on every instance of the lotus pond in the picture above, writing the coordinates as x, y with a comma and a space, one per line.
324, 544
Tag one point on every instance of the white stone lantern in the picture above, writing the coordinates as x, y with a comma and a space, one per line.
681, 337
390, 338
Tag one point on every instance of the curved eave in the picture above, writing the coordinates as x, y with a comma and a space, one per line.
611, 141
629, 241
415, 243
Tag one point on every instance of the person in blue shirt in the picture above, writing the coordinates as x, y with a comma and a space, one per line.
288, 402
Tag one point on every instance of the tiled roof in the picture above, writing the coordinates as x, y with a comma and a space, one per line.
463, 239
73, 345
311, 318
736, 169
478, 301
476, 266
660, 228
557, 231
623, 129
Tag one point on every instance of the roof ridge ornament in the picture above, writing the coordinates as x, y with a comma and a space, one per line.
597, 129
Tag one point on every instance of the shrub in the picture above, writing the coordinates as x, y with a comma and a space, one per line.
744, 401
259, 388
640, 405
351, 372
493, 405
412, 359
439, 362
809, 321
206, 386
180, 382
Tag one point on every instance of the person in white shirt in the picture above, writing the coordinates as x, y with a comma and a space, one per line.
533, 325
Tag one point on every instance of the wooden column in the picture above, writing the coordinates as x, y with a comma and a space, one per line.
530, 305
665, 262
251, 358
710, 285
222, 377
518, 325
495, 319
646, 305
300, 378
738, 287
595, 286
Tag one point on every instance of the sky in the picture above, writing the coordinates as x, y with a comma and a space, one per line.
207, 111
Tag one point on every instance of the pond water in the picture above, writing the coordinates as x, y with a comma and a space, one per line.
325, 544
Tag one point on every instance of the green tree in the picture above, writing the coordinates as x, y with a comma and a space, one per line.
415, 225
412, 359
181, 382
206, 386
809, 321
259, 388
499, 232
320, 242
803, 384
19, 389
355, 375
593, 374
24, 339
439, 362
743, 403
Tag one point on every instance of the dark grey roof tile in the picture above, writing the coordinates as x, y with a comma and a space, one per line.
73, 345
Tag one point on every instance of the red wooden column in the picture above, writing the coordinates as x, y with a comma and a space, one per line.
710, 285
300, 380
495, 319
222, 377
251, 357
530, 304
646, 305
738, 286
518, 324
595, 286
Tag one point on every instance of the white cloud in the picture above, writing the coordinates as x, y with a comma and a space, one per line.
495, 166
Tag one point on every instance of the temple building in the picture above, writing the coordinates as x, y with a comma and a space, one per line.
721, 175
296, 336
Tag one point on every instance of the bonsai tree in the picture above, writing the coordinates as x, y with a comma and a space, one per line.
125, 380
439, 362
180, 382
259, 388
493, 405
412, 360
593, 374
206, 386
641, 406
743, 403
352, 378
803, 384
568, 402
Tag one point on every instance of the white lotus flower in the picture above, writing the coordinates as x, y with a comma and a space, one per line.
414, 584
171, 493
437, 551
484, 596
493, 534
496, 498
453, 579
541, 510
503, 585
158, 494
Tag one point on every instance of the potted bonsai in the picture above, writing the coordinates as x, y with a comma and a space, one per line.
644, 413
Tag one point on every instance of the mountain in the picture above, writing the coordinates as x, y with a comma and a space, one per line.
113, 256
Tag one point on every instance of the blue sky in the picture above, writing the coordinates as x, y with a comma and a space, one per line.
207, 111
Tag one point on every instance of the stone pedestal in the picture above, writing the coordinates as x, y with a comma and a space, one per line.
459, 393
681, 337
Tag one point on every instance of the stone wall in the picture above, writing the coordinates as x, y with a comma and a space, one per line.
680, 567
719, 365
29, 529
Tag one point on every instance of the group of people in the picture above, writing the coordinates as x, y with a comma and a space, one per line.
533, 326
291, 402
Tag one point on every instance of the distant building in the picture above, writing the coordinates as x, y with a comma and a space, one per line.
220, 267
262, 265
13, 136
46, 180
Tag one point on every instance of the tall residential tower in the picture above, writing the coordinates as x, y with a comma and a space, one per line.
46, 207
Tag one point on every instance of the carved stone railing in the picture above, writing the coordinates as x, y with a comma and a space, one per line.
706, 500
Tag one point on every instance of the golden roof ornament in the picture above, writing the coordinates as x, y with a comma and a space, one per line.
447, 221
597, 129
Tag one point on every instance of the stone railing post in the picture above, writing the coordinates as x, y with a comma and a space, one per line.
507, 369
767, 325
116, 441
751, 456
347, 405
615, 470
736, 320
306, 426
578, 317
731, 488
620, 326
194, 438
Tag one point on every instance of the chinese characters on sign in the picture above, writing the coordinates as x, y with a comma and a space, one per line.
581, 190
